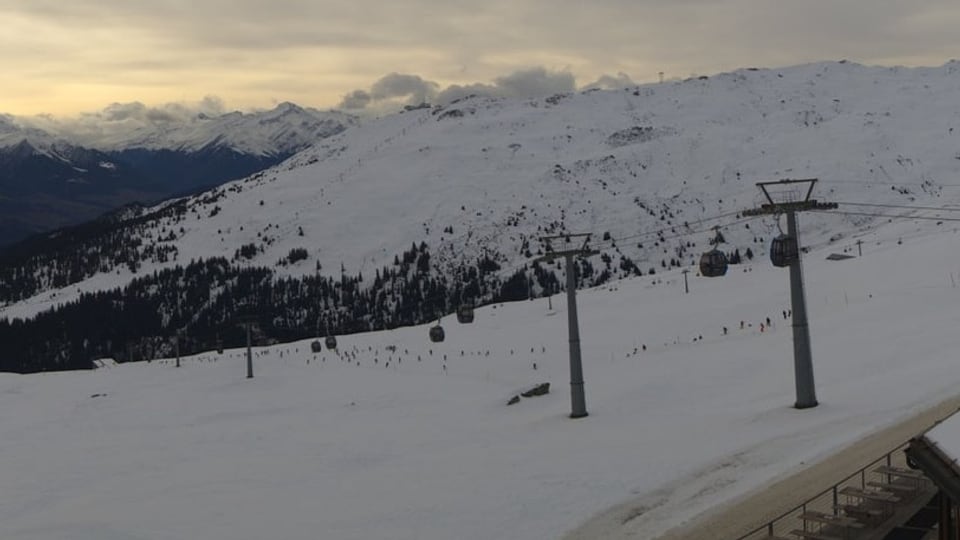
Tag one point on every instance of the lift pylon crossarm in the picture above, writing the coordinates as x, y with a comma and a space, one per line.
582, 251
567, 238
786, 182
560, 254
783, 208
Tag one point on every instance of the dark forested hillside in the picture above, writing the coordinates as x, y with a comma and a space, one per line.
204, 302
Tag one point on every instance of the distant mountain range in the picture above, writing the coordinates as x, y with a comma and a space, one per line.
48, 181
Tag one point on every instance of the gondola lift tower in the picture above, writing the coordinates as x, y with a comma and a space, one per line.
577, 401
790, 197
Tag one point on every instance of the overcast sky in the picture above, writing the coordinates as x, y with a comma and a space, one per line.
66, 56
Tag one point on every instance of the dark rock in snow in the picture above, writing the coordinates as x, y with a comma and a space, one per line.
538, 390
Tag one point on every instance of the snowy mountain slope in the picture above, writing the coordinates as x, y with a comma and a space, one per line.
395, 437
397, 221
634, 162
588, 162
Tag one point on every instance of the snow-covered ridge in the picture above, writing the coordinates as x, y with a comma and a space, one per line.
501, 172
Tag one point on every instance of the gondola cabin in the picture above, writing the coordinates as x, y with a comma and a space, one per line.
331, 342
316, 346
783, 251
437, 334
713, 263
465, 314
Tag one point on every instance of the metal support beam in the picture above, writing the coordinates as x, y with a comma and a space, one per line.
578, 404
802, 361
249, 355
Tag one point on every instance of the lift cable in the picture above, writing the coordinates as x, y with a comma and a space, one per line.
613, 242
869, 214
873, 183
905, 207
690, 230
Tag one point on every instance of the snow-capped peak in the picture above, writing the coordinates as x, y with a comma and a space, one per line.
281, 131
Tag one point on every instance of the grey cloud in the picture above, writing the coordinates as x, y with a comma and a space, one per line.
611, 82
536, 82
456, 91
640, 31
390, 92
532, 82
356, 100
211, 105
160, 116
251, 24
526, 83
123, 118
7, 123
118, 112
397, 85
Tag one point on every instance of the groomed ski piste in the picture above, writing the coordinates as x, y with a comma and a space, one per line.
395, 437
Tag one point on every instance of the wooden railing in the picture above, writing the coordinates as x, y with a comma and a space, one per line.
855, 497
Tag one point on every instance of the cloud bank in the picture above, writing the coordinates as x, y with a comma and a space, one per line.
395, 89
120, 120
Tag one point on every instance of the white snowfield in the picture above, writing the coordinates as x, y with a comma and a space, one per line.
418, 443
